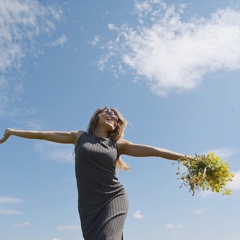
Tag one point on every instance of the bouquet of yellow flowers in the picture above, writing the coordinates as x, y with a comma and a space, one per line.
206, 172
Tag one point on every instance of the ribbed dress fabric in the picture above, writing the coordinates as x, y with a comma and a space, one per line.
102, 200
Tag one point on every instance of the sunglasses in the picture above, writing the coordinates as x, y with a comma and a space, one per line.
110, 113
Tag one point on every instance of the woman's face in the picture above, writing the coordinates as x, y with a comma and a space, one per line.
108, 118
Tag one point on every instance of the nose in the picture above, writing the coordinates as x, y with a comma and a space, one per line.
111, 114
112, 117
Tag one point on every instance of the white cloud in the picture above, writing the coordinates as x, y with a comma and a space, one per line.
33, 124
60, 41
173, 226
142, 7
235, 184
55, 151
22, 225
9, 200
67, 228
174, 229
112, 26
22, 22
95, 40
169, 226
10, 91
8, 211
199, 211
3, 92
173, 54
4, 199
223, 153
138, 215
208, 193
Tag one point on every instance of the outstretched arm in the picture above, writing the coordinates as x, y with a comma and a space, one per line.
137, 150
59, 137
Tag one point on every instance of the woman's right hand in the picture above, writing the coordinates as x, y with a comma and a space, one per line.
6, 135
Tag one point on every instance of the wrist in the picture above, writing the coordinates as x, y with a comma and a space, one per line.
10, 131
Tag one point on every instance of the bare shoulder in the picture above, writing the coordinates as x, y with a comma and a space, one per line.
77, 134
121, 144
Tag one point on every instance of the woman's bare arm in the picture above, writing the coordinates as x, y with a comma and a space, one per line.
53, 136
137, 150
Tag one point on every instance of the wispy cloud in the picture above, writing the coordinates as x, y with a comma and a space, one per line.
224, 153
60, 41
138, 215
9, 200
173, 226
33, 124
199, 211
95, 40
169, 226
3, 95
10, 91
112, 27
8, 211
22, 225
235, 184
22, 22
68, 228
173, 54
56, 152
4, 199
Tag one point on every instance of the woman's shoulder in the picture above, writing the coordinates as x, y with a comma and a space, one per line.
121, 143
77, 134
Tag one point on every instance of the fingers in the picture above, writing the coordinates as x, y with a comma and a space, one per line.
5, 136
3, 139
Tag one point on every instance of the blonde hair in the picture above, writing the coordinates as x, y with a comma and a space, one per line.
116, 134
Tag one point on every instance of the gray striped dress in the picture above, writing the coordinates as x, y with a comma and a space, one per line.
102, 200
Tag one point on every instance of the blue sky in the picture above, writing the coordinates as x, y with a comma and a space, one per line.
170, 67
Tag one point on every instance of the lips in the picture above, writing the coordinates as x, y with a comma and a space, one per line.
110, 121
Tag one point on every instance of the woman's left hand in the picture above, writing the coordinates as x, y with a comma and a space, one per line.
5, 136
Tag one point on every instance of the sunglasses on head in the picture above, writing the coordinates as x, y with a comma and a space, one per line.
110, 113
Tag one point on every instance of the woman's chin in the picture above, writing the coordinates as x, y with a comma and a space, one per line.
110, 127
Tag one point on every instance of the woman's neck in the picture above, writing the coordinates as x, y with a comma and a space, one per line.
100, 132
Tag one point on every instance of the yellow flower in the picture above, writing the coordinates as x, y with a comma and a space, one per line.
206, 172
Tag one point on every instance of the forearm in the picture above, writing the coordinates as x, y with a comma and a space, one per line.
59, 137
137, 150
26, 134
149, 151
164, 153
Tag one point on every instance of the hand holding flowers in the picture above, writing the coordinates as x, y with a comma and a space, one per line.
206, 172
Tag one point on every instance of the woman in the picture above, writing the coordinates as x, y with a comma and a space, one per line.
102, 200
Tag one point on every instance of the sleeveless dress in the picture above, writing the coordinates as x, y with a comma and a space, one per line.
102, 200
